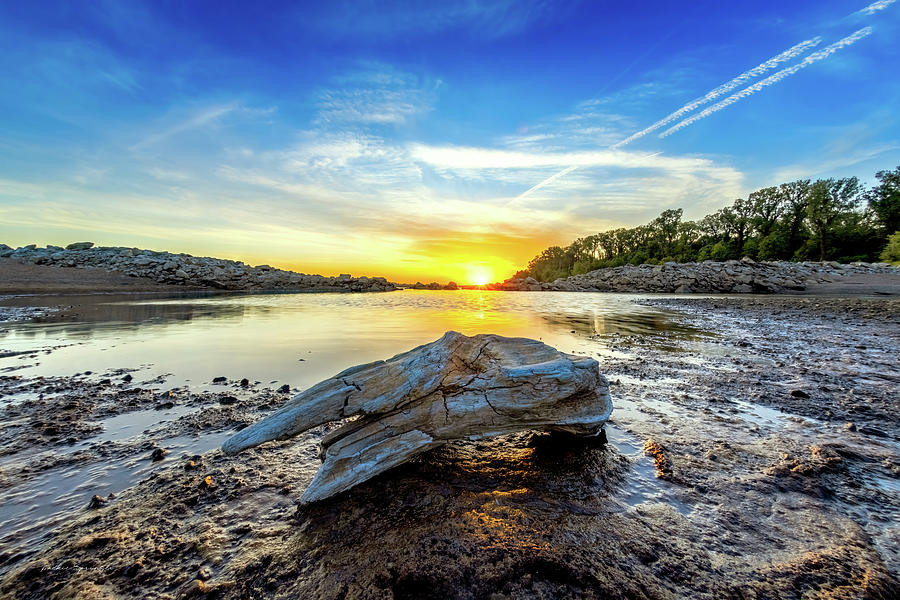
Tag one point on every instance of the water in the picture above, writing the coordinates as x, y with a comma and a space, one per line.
298, 339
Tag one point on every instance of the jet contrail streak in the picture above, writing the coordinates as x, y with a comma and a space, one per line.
772, 79
547, 181
756, 71
876, 6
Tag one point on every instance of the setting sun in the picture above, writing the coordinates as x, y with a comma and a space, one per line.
480, 275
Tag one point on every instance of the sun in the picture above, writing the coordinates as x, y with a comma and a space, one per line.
480, 275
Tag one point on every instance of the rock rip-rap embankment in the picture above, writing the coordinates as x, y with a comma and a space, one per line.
184, 269
734, 276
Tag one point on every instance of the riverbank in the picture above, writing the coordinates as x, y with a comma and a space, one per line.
729, 277
30, 269
755, 457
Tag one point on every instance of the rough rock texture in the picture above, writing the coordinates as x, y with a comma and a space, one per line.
184, 269
733, 276
457, 387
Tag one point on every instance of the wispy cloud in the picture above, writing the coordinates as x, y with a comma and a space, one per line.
772, 79
876, 6
376, 94
726, 87
493, 19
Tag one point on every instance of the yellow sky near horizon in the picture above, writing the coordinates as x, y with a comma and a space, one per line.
468, 259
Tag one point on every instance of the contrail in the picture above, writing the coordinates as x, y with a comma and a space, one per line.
756, 71
547, 181
876, 6
772, 79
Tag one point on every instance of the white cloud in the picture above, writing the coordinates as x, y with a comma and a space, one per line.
772, 79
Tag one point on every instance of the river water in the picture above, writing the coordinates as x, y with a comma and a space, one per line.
300, 339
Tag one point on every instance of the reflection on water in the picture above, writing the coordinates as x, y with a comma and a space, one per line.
303, 338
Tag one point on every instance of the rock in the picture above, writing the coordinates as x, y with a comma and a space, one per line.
285, 389
867, 430
97, 501
799, 394
245, 382
128, 378
192, 589
158, 454
454, 388
80, 246
220, 379
227, 400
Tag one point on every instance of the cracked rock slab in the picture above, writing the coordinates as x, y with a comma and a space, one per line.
457, 387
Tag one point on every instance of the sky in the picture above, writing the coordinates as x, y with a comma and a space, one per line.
424, 140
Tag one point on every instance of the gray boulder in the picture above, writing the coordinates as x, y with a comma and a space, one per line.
80, 246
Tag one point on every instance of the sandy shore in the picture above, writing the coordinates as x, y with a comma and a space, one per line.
759, 461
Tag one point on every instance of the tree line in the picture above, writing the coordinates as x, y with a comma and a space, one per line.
827, 219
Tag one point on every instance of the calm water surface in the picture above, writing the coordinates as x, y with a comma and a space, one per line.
302, 338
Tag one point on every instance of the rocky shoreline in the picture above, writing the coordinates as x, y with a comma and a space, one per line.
744, 276
190, 271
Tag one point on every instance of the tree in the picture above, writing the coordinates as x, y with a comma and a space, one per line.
666, 225
737, 221
828, 200
767, 205
884, 200
891, 252
795, 196
712, 226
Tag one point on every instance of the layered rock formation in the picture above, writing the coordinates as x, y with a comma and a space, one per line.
184, 269
454, 388
733, 276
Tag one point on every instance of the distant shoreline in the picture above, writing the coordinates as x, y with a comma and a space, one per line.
81, 268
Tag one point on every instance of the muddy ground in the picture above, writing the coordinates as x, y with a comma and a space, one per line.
759, 461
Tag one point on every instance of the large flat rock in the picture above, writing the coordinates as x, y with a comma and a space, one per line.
454, 388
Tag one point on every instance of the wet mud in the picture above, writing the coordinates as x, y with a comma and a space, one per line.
757, 460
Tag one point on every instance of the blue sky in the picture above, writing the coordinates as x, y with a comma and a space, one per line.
424, 140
